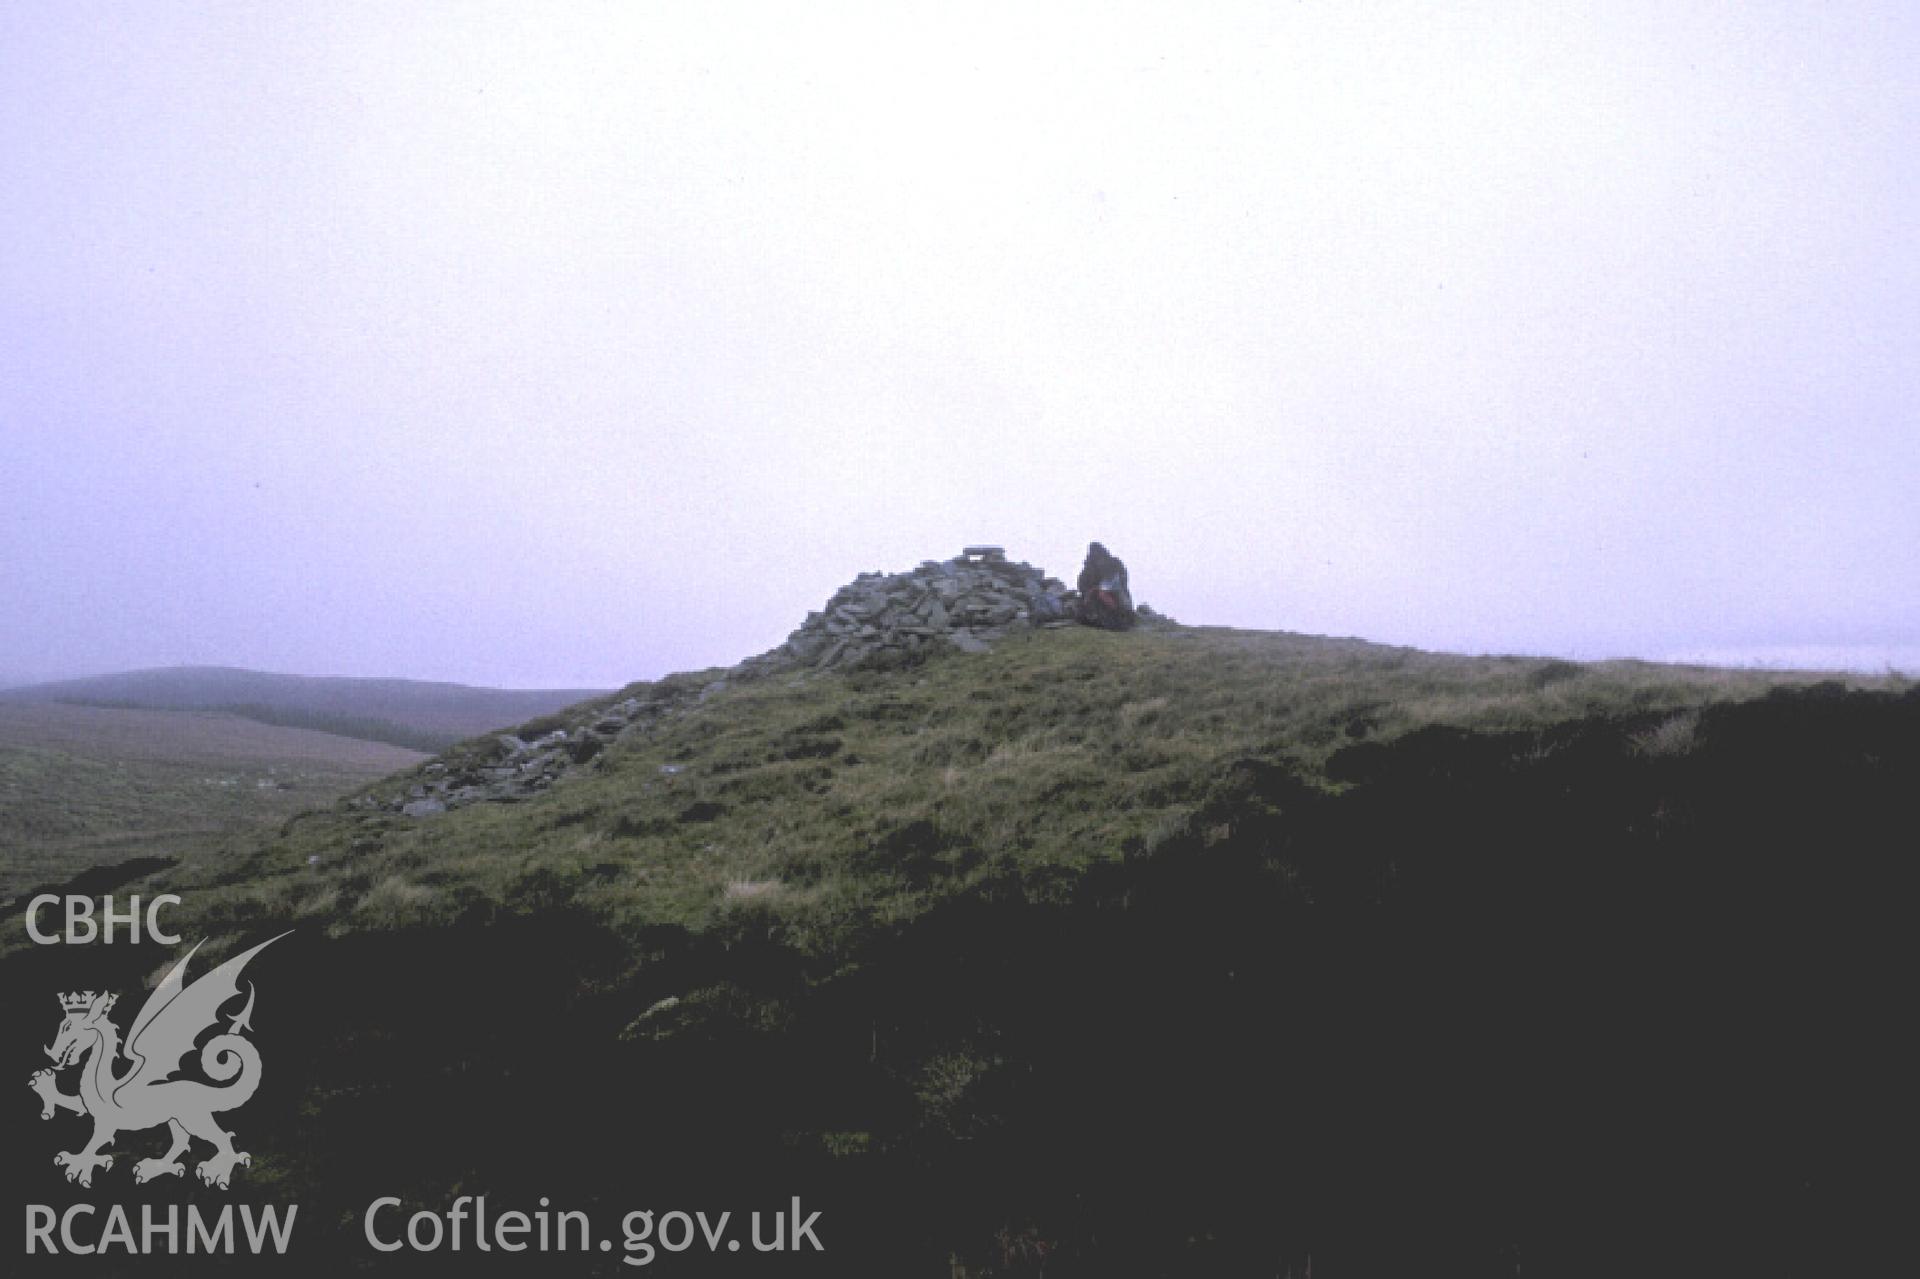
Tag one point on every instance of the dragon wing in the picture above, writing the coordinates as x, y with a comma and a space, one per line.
175, 1014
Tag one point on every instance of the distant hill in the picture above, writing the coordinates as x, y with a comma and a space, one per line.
413, 714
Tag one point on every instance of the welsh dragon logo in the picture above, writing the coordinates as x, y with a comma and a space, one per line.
146, 1095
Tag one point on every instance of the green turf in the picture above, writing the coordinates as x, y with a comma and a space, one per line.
826, 805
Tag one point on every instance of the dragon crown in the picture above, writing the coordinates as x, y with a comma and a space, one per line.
80, 1000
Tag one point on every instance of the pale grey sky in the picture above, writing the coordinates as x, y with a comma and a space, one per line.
561, 344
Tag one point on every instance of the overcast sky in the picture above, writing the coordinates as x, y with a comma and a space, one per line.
567, 344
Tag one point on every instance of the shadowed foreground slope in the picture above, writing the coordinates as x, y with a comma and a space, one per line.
1189, 952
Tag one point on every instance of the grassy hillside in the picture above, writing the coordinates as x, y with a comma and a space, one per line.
1175, 952
834, 802
414, 714
88, 786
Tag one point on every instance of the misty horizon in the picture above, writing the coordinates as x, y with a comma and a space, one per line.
532, 348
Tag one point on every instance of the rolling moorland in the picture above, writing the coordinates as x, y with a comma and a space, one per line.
86, 786
413, 714
154, 764
1179, 952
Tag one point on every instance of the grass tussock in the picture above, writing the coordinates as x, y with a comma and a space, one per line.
1673, 736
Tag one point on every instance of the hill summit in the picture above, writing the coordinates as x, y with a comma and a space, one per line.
878, 621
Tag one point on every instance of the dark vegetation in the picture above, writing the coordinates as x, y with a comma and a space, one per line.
1198, 953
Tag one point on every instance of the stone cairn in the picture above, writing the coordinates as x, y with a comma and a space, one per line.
966, 602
